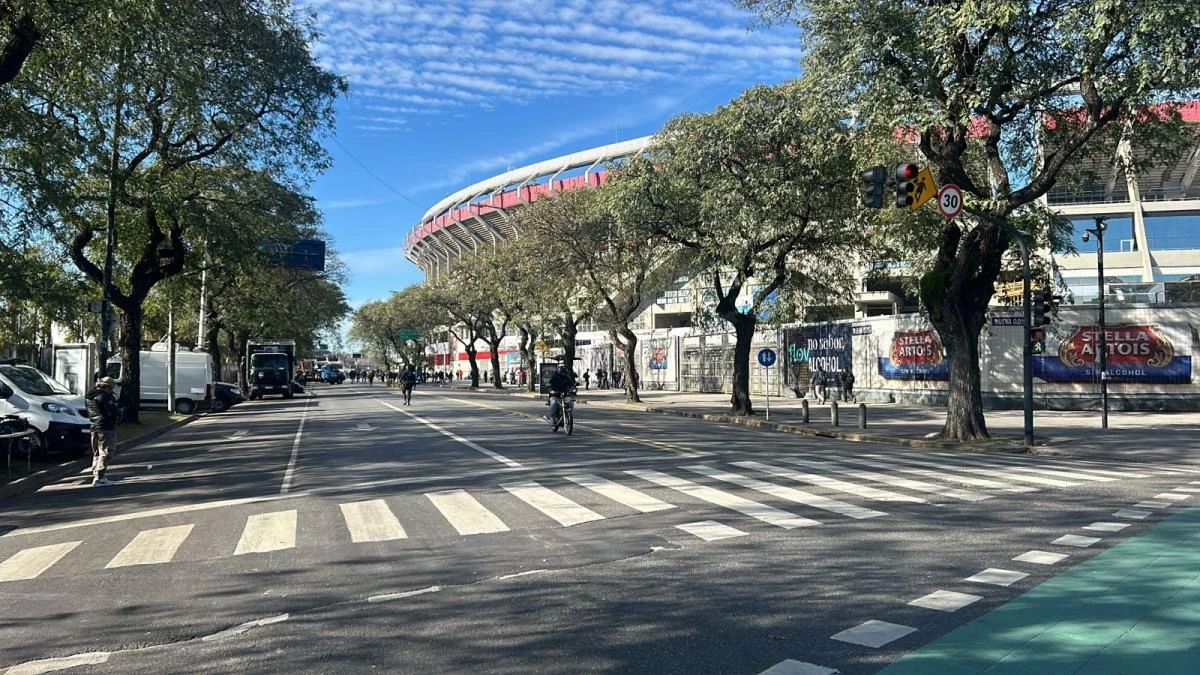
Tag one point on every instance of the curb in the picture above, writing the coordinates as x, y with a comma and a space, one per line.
40, 479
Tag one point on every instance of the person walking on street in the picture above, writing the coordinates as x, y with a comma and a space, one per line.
408, 381
848, 385
587, 380
103, 413
822, 382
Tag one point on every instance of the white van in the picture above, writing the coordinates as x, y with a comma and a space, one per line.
59, 416
194, 379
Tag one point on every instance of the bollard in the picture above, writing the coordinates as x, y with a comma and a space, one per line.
804, 411
862, 415
833, 412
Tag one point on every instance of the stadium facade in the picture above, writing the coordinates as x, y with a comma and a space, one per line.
1152, 297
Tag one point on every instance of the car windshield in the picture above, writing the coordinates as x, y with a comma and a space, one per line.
33, 381
271, 361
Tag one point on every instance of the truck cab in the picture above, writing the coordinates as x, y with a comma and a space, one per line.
269, 367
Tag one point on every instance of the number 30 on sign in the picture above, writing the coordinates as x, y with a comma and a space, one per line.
949, 200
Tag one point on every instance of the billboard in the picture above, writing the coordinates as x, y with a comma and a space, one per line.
825, 346
1135, 352
915, 355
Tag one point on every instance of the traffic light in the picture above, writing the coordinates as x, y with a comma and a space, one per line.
1037, 340
1040, 317
906, 184
876, 180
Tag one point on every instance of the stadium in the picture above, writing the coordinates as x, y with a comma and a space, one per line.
1151, 290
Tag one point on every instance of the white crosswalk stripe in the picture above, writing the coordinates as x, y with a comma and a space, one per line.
31, 562
465, 513
1085, 466
152, 547
619, 493
710, 530
266, 532
996, 471
785, 493
897, 481
904, 465
371, 521
832, 483
549, 502
1073, 474
767, 514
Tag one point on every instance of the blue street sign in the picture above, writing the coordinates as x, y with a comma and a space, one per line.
766, 357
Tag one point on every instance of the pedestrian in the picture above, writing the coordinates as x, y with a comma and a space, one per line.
822, 382
587, 380
848, 385
103, 413
371, 376
408, 381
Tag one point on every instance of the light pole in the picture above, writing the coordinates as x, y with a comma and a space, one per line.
1102, 348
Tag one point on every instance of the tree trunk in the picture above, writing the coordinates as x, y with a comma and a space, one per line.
570, 330
496, 379
471, 352
632, 381
131, 345
212, 345
964, 406
237, 343
743, 325
529, 355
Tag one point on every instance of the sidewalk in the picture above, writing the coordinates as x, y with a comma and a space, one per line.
1131, 436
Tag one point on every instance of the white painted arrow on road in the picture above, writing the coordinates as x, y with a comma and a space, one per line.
237, 434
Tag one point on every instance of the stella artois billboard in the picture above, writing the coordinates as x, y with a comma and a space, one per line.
915, 355
1135, 353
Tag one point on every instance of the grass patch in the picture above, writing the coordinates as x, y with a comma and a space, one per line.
148, 420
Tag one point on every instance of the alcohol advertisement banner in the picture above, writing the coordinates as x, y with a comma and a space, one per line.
915, 355
1145, 353
824, 346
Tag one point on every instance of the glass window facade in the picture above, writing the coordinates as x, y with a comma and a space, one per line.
1118, 237
1168, 232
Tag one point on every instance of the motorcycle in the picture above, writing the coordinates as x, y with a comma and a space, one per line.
566, 413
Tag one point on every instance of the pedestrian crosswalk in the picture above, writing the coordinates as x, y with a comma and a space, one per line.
787, 492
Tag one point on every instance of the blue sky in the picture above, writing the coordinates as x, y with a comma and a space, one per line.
445, 93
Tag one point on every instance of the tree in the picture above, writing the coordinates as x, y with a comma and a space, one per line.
463, 309
377, 326
760, 195
125, 126
619, 266
998, 97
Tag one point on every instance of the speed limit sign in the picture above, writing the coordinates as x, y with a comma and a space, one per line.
949, 200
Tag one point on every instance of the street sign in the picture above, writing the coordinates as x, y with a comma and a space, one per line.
925, 188
409, 334
949, 200
766, 358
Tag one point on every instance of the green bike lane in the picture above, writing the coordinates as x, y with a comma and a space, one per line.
1132, 609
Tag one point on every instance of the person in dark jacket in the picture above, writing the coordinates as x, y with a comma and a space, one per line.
407, 382
103, 413
561, 382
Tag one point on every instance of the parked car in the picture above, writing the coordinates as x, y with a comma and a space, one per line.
59, 416
225, 396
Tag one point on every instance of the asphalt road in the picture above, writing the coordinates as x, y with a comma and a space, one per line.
344, 532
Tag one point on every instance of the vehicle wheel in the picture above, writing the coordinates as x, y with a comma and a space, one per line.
570, 417
185, 406
33, 446
219, 404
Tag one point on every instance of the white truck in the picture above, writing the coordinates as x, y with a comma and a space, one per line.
195, 379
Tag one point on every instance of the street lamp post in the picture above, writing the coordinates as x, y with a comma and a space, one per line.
1101, 346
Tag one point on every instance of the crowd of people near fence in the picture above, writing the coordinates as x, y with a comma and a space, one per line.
601, 379
823, 385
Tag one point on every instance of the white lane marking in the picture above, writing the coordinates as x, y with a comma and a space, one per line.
60, 663
897, 481
1151, 505
815, 501
1172, 496
363, 426
237, 434
268, 532
151, 547
1073, 465
874, 633
166, 511
619, 493
291, 467
832, 483
31, 562
779, 491
450, 434
1073, 474
1187, 489
517, 575
466, 514
405, 594
767, 514
711, 530
945, 601
1130, 513
997, 577
898, 464
549, 502
1106, 527
793, 667
1076, 540
1041, 557
243, 627
997, 470
371, 521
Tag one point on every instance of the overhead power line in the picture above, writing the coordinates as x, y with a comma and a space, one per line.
373, 175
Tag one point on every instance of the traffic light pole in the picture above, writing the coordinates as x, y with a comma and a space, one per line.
1100, 227
1027, 349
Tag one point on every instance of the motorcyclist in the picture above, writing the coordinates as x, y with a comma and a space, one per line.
561, 382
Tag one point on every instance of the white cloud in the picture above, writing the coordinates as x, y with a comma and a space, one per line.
475, 53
